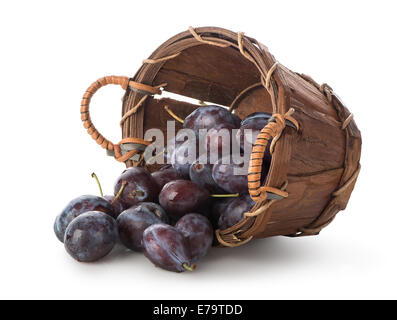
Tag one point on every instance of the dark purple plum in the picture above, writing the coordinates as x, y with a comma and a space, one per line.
118, 206
180, 197
133, 222
207, 117
172, 144
91, 236
219, 141
164, 175
217, 208
139, 186
256, 115
237, 120
78, 206
183, 156
201, 174
233, 211
248, 132
231, 177
167, 248
199, 232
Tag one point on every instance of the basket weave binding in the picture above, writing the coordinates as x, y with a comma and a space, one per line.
257, 54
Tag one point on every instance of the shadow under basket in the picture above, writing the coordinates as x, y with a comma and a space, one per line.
316, 143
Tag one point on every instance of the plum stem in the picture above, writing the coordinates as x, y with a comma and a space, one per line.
172, 114
123, 184
189, 268
137, 193
202, 103
231, 195
97, 181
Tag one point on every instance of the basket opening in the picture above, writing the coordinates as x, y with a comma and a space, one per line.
215, 75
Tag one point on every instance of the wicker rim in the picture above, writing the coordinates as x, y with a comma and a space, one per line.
266, 65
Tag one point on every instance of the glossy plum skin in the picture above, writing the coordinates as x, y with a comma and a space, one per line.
256, 115
118, 206
91, 236
166, 247
198, 231
233, 211
219, 141
216, 210
183, 156
180, 197
140, 187
164, 175
207, 117
226, 178
172, 144
201, 174
78, 206
133, 222
237, 120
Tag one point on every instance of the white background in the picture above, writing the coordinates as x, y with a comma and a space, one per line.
50, 51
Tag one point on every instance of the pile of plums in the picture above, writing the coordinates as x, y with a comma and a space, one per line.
170, 215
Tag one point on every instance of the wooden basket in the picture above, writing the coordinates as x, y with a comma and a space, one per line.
316, 143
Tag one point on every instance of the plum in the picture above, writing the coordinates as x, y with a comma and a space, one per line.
164, 175
198, 231
226, 174
207, 117
78, 206
133, 222
91, 236
139, 186
167, 247
180, 197
233, 211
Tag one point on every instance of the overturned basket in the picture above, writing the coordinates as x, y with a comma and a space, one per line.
316, 145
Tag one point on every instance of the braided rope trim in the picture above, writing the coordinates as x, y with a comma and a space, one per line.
347, 121
140, 103
118, 154
220, 43
274, 129
312, 231
199, 38
125, 83
326, 90
267, 205
259, 193
158, 60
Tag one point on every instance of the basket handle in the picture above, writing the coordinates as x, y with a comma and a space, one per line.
125, 83
274, 129
85, 107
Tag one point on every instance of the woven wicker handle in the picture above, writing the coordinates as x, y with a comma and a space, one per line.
273, 130
85, 107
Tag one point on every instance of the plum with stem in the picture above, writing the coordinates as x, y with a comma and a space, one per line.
167, 248
139, 186
77, 207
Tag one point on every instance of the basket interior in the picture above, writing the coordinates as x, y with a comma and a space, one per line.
212, 74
